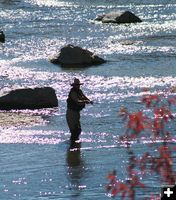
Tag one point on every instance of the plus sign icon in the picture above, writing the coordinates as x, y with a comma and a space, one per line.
168, 192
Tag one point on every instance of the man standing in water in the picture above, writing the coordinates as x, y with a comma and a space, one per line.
75, 103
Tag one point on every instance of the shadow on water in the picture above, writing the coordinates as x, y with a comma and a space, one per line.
76, 169
78, 67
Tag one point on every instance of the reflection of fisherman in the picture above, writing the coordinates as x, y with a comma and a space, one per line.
75, 170
75, 103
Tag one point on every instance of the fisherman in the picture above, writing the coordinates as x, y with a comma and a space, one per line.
75, 103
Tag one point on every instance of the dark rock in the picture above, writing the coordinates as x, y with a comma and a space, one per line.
74, 55
2, 36
29, 99
119, 17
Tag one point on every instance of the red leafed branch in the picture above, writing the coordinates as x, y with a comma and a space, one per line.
115, 186
125, 190
161, 162
150, 100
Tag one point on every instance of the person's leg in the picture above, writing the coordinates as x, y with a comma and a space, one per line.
77, 126
74, 135
73, 121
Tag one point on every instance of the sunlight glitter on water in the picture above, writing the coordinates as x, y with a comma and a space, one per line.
99, 87
49, 3
14, 136
11, 136
35, 47
15, 15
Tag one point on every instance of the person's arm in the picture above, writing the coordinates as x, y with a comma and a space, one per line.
87, 100
75, 98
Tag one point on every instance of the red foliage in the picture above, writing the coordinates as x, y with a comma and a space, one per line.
163, 113
137, 122
116, 186
162, 164
150, 100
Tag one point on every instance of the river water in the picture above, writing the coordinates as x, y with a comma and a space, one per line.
35, 161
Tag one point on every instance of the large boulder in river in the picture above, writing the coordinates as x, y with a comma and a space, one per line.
29, 99
73, 55
118, 17
2, 36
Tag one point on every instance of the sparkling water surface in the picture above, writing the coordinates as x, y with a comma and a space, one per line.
35, 160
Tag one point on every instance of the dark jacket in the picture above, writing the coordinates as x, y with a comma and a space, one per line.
75, 95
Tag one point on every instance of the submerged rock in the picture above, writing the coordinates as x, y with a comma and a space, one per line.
29, 99
118, 17
127, 42
8, 119
73, 55
2, 36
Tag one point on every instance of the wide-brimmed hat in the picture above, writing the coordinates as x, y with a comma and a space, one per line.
76, 82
